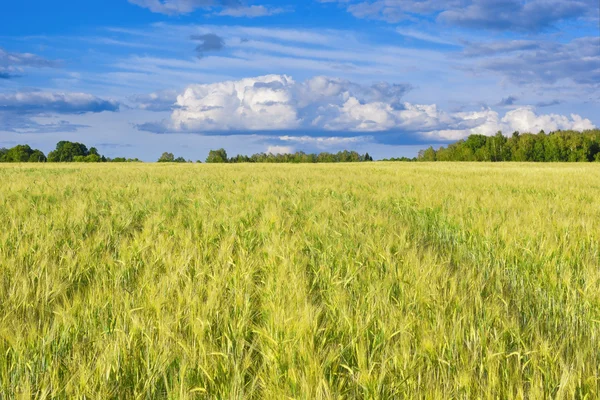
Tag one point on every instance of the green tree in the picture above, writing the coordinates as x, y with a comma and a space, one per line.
427, 155
166, 157
497, 147
93, 158
19, 153
37, 156
217, 156
476, 142
67, 151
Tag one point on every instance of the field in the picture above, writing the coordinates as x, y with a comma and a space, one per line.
373, 280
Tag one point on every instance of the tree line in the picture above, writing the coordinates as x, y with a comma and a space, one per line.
65, 152
77, 152
559, 146
403, 159
220, 156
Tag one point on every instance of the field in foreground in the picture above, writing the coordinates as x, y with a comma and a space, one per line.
300, 281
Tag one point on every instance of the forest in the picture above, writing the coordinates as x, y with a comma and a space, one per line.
559, 146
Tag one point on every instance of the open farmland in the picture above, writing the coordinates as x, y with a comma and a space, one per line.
378, 280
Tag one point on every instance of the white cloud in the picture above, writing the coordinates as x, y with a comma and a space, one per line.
263, 103
523, 119
321, 104
526, 120
280, 150
277, 102
357, 117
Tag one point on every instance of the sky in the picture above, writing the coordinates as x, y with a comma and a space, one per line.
136, 78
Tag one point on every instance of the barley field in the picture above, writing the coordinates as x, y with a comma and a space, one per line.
356, 281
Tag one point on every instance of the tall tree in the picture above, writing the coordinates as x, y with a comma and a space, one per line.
217, 156
166, 157
67, 151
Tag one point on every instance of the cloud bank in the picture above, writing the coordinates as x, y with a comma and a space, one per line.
64, 103
250, 11
35, 111
527, 61
277, 103
516, 15
231, 8
501, 15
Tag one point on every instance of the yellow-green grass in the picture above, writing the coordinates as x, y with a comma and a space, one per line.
379, 280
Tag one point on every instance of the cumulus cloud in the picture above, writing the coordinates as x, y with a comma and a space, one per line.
277, 103
526, 120
232, 8
523, 119
263, 103
516, 15
280, 149
12, 64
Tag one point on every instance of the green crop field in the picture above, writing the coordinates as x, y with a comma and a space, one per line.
373, 280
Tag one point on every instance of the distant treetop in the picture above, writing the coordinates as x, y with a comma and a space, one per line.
220, 156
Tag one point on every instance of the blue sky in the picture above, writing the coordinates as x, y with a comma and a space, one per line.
139, 77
